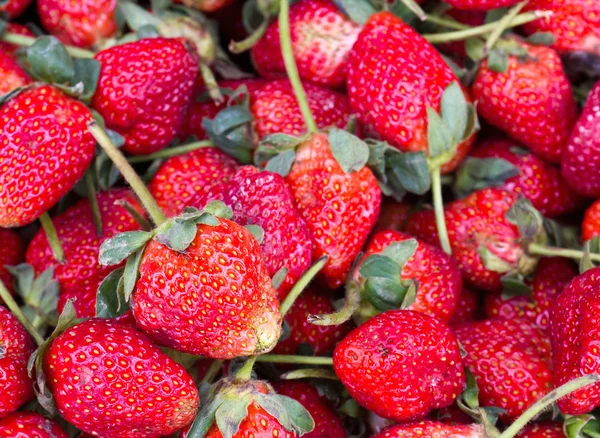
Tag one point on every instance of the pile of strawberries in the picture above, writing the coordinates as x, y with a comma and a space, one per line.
329, 219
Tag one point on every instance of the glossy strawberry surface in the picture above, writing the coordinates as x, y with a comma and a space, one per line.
13, 75
30, 425
431, 429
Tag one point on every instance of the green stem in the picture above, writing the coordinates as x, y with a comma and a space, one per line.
52, 236
14, 308
546, 401
128, 173
550, 251
291, 68
171, 152
345, 312
238, 47
310, 373
446, 22
91, 189
502, 25
210, 82
414, 7
245, 372
299, 360
301, 284
212, 371
26, 41
140, 219
438, 207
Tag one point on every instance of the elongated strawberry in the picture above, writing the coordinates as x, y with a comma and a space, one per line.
14, 8
12, 252
481, 5
30, 425
590, 227
44, 152
431, 429
13, 76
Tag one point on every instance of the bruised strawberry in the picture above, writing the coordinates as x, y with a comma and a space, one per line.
542, 430
467, 308
481, 5
12, 252
590, 226
13, 76
431, 429
30, 425
13, 8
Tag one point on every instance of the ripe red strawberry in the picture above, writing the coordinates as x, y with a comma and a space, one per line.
537, 180
551, 276
99, 370
263, 198
481, 5
340, 208
179, 179
401, 364
431, 429
543, 430
322, 37
393, 215
590, 227
144, 90
44, 152
13, 76
18, 29
12, 252
582, 154
467, 309
510, 360
16, 346
205, 5
84, 23
321, 339
532, 101
327, 422
30, 425
14, 8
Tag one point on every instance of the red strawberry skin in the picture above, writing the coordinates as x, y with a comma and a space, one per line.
12, 252
551, 276
145, 89
17, 346
99, 369
481, 5
83, 23
15, 28
322, 37
30, 425
393, 216
184, 177
590, 226
340, 209
438, 279
401, 364
45, 150
263, 198
582, 154
14, 8
467, 309
543, 430
13, 76
431, 429
510, 360
205, 5
180, 299
532, 101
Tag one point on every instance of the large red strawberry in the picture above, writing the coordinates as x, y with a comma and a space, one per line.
84, 23
582, 154
12, 252
510, 360
13, 76
432, 429
144, 90
16, 346
542, 430
590, 227
467, 308
322, 37
531, 101
108, 379
401, 364
481, 5
45, 150
30, 425
13, 8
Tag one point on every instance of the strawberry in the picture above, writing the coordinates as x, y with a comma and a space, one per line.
393, 215
582, 154
532, 101
467, 309
432, 429
551, 276
590, 227
322, 37
510, 360
13, 8
401, 364
499, 162
13, 76
205, 5
12, 252
16, 346
481, 5
18, 29
45, 151
542, 430
327, 422
84, 23
144, 90
30, 425
181, 178
263, 198
142, 390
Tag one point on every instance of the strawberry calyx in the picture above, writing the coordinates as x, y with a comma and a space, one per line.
468, 402
581, 426
480, 173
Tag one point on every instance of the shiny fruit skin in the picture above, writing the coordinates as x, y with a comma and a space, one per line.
30, 425
13, 75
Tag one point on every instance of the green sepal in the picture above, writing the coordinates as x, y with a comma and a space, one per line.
3, 23
358, 11
528, 220
480, 173
351, 153
301, 420
378, 265
454, 111
12, 94
279, 277
492, 262
218, 209
257, 232
468, 402
498, 60
48, 60
282, 163
277, 152
229, 416
231, 130
211, 400
541, 38
387, 294
85, 79
116, 249
131, 273
591, 246
110, 298
581, 426
136, 16
475, 48
514, 285
401, 252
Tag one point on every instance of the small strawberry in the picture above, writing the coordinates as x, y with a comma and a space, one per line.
84, 23
99, 370
590, 227
12, 252
542, 430
16, 346
510, 360
322, 37
467, 309
144, 90
13, 8
44, 152
30, 425
431, 429
13, 76
531, 101
17, 29
481, 5
401, 364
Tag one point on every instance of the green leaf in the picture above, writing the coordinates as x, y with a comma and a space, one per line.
401, 252
302, 421
231, 131
358, 11
282, 163
475, 48
11, 94
256, 231
279, 277
455, 111
349, 151
136, 16
385, 293
480, 173
252, 17
529, 220
110, 300
130, 276
206, 416
513, 285
118, 248
86, 73
179, 235
411, 171
147, 31
273, 145
492, 262
377, 265
230, 415
219, 209
273, 405
470, 395
542, 38
208, 219
49, 61
498, 60
439, 135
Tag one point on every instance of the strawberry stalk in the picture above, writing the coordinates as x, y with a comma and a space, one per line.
299, 360
238, 47
52, 236
438, 208
448, 23
502, 25
214, 368
140, 219
16, 310
351, 304
171, 152
301, 284
550, 251
120, 162
309, 373
91, 189
25, 41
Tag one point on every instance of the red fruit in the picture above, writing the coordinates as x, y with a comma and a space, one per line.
18, 29
481, 5
100, 369
510, 360
13, 8
582, 154
591, 222
215, 299
327, 422
13, 76
322, 37
205, 5
340, 208
182, 178
436, 274
393, 215
551, 276
467, 309
144, 90
30, 425
431, 429
400, 365
12, 252
389, 55
83, 23
45, 149
532, 101
16, 346
543, 430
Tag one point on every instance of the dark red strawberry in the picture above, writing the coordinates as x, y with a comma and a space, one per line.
13, 76
543, 430
481, 5
590, 227
467, 309
431, 429
46, 149
30, 425
18, 29
401, 364
12, 252
205, 5
393, 215
13, 8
